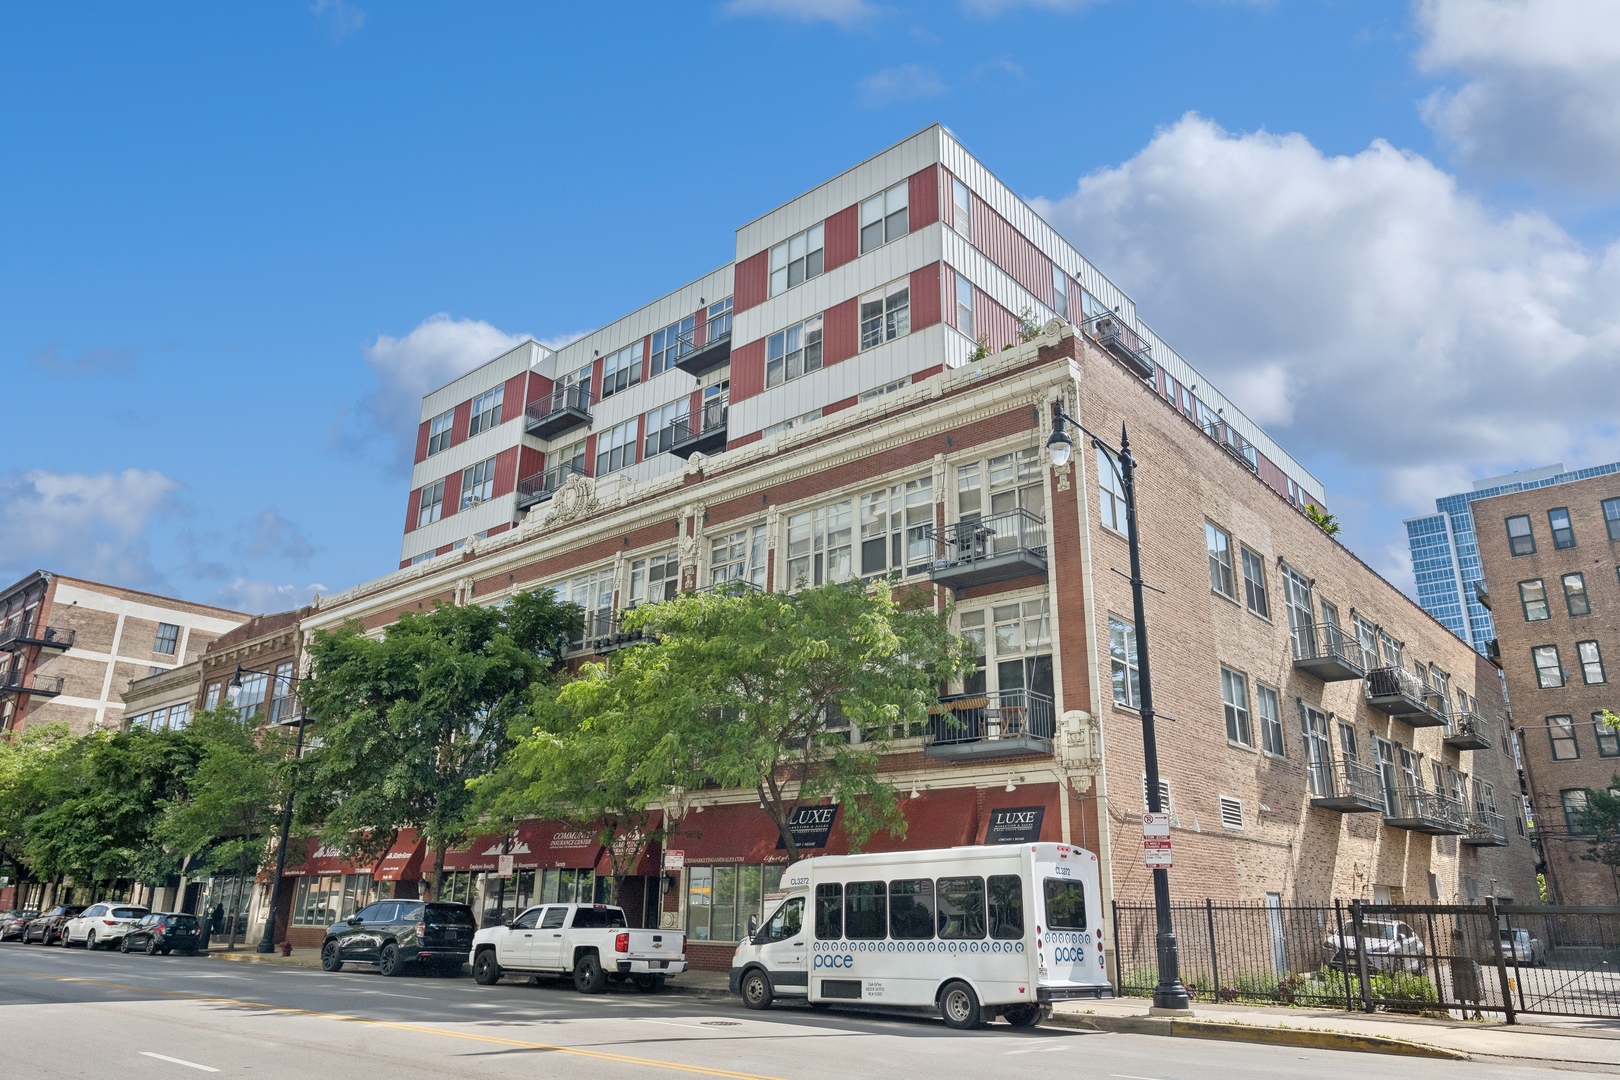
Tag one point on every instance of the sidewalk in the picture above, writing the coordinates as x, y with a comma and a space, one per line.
1550, 1039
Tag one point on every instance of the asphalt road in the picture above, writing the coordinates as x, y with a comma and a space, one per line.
104, 1015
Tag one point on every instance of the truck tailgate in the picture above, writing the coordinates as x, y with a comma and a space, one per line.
656, 945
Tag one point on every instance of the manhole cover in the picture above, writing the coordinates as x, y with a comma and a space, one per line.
719, 1023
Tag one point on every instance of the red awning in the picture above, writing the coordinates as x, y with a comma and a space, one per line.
556, 843
1042, 795
739, 833
313, 860
478, 854
934, 819
403, 859
648, 863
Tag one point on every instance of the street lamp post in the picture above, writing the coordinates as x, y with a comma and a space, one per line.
1169, 993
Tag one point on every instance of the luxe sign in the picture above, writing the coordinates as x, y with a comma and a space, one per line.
1015, 825
810, 826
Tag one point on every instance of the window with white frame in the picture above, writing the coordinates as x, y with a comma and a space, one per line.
431, 504
1221, 579
1235, 699
964, 305
1060, 291
797, 259
660, 426
1110, 493
616, 447
593, 592
793, 352
1001, 484
250, 699
478, 483
791, 422
621, 369
1268, 705
886, 388
179, 716
1318, 751
669, 345
718, 320
281, 694
894, 524
886, 314
884, 218
486, 410
738, 556
655, 578
961, 209
1301, 616
1013, 648
1122, 660
820, 545
439, 431
573, 454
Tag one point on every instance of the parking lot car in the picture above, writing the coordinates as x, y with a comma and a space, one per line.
394, 935
46, 929
1520, 946
163, 932
13, 922
1391, 946
101, 924
592, 942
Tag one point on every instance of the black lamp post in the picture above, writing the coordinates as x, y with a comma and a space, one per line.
1169, 993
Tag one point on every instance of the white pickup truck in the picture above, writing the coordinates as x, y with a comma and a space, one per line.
592, 942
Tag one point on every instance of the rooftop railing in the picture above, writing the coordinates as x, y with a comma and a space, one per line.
1114, 335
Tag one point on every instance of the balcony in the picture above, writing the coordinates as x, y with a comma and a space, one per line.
1419, 810
536, 489
998, 724
704, 433
1468, 731
605, 633
735, 587
987, 550
715, 351
1485, 829
567, 408
15, 683
1123, 342
1327, 652
1346, 786
50, 639
1403, 695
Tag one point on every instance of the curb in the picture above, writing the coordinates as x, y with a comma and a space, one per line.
1248, 1033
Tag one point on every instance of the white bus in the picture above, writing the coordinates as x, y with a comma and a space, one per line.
973, 932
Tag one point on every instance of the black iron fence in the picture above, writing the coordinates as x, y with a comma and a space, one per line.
1461, 960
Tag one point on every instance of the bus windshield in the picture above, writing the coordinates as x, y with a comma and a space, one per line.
1065, 904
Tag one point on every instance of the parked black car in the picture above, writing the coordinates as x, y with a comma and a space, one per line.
47, 928
164, 932
395, 933
12, 924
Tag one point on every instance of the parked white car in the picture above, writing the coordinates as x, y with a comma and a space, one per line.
591, 942
1520, 946
101, 924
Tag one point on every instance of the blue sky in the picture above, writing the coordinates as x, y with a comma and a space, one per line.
230, 231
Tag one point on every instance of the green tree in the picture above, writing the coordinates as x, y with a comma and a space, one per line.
1601, 825
28, 785
1324, 521
401, 724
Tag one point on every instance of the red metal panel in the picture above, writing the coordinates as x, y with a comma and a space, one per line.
646, 357
751, 281
842, 238
530, 461
744, 440
994, 323
1012, 251
452, 495
463, 420
839, 406
748, 369
596, 379
539, 389
494, 529
841, 332
926, 373
422, 441
403, 563
506, 463
925, 296
510, 407
922, 197
590, 455
410, 510
444, 549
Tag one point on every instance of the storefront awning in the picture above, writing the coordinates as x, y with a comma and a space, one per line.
648, 861
739, 833
1023, 816
403, 859
934, 819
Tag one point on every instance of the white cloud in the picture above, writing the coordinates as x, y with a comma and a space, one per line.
340, 20
842, 12
257, 596
906, 82
996, 7
104, 360
89, 526
1364, 307
1540, 96
273, 535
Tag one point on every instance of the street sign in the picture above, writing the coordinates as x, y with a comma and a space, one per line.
674, 860
503, 865
1156, 853
1155, 825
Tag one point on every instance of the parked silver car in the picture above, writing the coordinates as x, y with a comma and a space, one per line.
1391, 946
1520, 946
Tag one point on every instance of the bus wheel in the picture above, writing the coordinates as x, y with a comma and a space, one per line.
756, 990
959, 1005
1022, 1016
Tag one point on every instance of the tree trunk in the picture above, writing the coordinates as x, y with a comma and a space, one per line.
438, 872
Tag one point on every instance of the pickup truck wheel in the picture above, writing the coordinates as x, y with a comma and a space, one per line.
649, 984
959, 1005
589, 978
1022, 1016
330, 959
486, 972
756, 989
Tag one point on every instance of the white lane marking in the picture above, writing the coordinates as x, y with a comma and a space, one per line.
1059, 1050
1133, 1076
178, 1061
666, 1023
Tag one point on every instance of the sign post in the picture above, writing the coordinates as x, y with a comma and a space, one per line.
674, 860
1156, 841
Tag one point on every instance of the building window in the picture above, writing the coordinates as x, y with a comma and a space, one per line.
1231, 813
1561, 733
738, 556
168, 639
655, 579
250, 700
1591, 662
1574, 804
1060, 291
593, 593
211, 699
793, 352
439, 431
1563, 533
1122, 659
885, 315
1575, 598
616, 447
883, 218
1235, 697
431, 504
322, 901
719, 899
621, 369
179, 716
281, 695
1318, 750
820, 545
894, 524
1611, 517
1254, 584
1533, 598
486, 410
1521, 541
962, 209
797, 259
1608, 739
660, 426
1549, 672
1269, 705
478, 483
1366, 637
573, 454
1110, 493
1220, 561
718, 320
886, 388
964, 305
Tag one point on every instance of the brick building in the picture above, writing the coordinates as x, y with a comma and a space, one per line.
885, 363
1552, 573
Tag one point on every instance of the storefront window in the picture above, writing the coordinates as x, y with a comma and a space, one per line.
719, 899
330, 898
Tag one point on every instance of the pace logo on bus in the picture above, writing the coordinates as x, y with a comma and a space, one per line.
834, 960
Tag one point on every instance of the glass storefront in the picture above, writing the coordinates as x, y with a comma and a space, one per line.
719, 899
330, 898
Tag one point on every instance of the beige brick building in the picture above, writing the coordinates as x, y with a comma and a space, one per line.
1551, 558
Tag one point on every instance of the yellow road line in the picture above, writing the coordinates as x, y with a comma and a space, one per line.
600, 1055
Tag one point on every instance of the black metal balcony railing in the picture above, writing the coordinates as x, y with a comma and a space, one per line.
23, 635
986, 550
998, 723
535, 489
714, 351
1486, 829
734, 587
568, 407
1421, 810
1401, 694
1344, 785
705, 432
1326, 651
1112, 334
15, 682
605, 632
1467, 731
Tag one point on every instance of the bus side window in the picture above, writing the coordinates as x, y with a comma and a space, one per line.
961, 908
1065, 904
911, 909
866, 910
1006, 907
829, 911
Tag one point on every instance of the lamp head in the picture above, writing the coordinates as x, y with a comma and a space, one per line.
1059, 445
233, 689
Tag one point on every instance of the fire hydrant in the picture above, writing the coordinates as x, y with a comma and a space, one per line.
286, 948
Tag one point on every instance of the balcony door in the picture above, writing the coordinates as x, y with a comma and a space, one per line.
1318, 751
1013, 644
998, 486
1385, 752
1297, 598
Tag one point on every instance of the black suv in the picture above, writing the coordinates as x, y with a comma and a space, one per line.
164, 932
47, 928
394, 933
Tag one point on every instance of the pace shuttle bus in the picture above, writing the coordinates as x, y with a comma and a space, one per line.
972, 932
